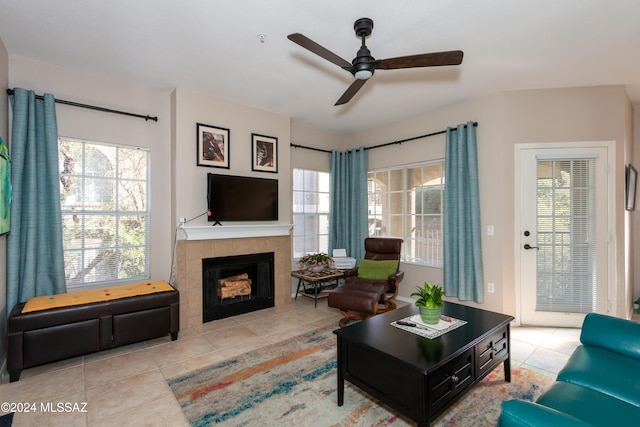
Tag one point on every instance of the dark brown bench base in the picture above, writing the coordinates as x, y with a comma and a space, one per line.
46, 336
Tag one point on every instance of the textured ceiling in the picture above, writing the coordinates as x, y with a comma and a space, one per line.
212, 46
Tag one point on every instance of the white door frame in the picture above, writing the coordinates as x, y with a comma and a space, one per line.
611, 212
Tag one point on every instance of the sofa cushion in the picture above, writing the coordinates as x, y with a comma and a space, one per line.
589, 405
611, 333
604, 371
376, 270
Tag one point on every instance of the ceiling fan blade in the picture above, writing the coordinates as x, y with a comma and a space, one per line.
351, 91
435, 59
321, 51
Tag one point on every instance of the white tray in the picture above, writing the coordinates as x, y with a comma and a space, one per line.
438, 326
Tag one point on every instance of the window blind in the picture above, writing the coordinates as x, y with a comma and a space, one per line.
565, 217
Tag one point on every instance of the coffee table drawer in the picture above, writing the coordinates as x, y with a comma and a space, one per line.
491, 351
383, 376
449, 380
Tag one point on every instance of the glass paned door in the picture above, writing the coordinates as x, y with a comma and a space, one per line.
563, 235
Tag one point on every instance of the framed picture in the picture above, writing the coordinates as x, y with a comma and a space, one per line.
264, 153
213, 146
5, 193
632, 180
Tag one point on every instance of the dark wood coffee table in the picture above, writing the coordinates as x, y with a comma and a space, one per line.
422, 377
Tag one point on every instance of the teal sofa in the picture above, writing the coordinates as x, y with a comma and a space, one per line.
599, 385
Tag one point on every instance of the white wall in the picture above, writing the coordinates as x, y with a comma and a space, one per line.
634, 219
190, 180
76, 122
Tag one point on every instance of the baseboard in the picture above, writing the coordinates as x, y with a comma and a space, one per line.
407, 300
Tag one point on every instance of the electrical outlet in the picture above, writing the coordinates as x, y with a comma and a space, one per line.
491, 288
182, 220
490, 230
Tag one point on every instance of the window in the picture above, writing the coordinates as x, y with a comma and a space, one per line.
310, 212
104, 194
407, 202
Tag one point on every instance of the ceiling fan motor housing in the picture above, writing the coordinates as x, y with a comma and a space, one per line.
363, 64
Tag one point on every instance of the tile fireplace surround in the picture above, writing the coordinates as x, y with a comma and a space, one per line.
200, 242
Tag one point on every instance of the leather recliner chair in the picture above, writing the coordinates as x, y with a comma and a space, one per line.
359, 298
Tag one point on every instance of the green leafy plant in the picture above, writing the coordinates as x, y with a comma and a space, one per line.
429, 295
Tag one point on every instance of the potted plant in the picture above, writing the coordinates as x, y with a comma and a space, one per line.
315, 262
429, 302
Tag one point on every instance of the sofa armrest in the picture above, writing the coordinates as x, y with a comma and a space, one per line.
611, 333
520, 413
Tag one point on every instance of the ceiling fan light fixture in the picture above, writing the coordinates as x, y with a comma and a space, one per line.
363, 74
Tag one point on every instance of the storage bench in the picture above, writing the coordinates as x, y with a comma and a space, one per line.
51, 334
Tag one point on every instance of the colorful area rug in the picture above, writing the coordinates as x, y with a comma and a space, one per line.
293, 383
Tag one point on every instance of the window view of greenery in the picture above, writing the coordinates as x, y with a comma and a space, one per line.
310, 212
105, 218
407, 202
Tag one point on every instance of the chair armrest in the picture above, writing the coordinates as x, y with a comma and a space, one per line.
352, 272
519, 413
396, 277
393, 281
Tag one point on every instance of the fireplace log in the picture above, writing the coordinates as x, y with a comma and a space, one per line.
233, 286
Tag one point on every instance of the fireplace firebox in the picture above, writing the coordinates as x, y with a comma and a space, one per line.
237, 284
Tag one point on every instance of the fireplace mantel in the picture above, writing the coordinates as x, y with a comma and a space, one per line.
208, 232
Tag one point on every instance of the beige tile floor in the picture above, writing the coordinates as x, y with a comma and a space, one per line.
127, 386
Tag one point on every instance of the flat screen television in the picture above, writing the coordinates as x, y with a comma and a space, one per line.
241, 198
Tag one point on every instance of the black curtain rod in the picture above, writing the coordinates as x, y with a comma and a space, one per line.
475, 124
93, 107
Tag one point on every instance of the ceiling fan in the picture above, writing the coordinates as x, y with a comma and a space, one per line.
364, 65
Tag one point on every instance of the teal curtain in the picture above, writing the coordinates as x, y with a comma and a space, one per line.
348, 225
35, 262
463, 272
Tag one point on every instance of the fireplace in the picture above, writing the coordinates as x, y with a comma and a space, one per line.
196, 243
237, 284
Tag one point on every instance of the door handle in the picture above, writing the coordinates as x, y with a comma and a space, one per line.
528, 246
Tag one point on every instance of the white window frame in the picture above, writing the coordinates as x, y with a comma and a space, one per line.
430, 246
116, 213
300, 231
